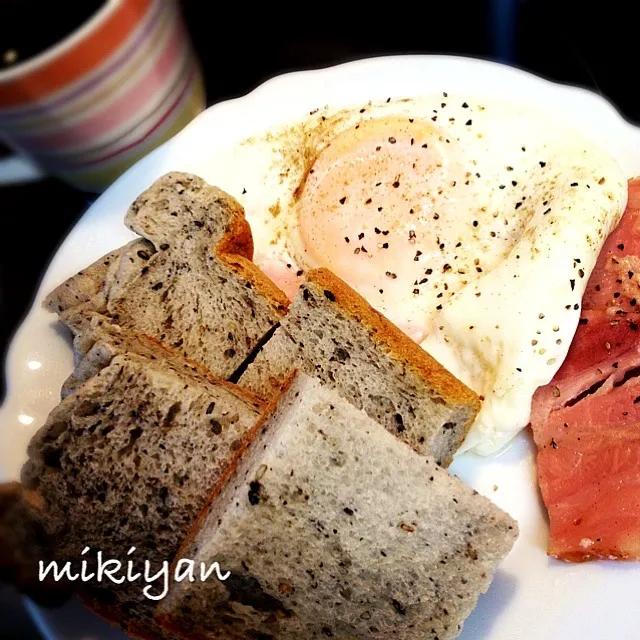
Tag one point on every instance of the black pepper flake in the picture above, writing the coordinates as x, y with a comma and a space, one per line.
573, 284
514, 183
518, 205
360, 236
376, 230
392, 140
621, 247
385, 232
616, 294
393, 276
396, 184
299, 272
576, 306
417, 256
368, 201
436, 216
574, 184
502, 186
439, 307
469, 123
434, 118
519, 369
254, 493
475, 223
542, 164
164, 247
329, 295
416, 291
544, 213
465, 105
157, 286
553, 443
244, 191
633, 302
581, 273
428, 272
346, 239
412, 141
634, 326
348, 511
412, 235
509, 168
143, 255
425, 146
385, 245
343, 199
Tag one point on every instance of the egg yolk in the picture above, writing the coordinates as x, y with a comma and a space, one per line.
368, 210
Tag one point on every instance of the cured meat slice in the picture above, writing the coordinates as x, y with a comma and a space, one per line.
586, 422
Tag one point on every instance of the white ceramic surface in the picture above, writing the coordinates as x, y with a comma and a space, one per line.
533, 597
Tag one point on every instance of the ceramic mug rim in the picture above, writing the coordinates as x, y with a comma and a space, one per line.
53, 52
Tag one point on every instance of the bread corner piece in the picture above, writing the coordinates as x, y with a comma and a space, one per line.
128, 460
23, 545
332, 527
189, 281
331, 332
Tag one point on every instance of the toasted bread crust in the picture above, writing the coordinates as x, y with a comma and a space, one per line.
386, 335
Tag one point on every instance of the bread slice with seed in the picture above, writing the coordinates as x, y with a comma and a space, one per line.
333, 333
188, 282
332, 527
101, 341
127, 460
23, 544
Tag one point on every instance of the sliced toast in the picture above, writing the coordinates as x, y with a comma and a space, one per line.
332, 527
188, 282
24, 544
128, 460
331, 332
101, 341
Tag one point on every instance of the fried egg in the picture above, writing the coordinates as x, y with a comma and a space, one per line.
473, 225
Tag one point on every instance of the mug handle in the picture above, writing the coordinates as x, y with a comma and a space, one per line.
17, 169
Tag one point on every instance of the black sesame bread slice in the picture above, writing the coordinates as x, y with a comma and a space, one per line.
332, 527
101, 341
331, 332
23, 544
128, 460
189, 282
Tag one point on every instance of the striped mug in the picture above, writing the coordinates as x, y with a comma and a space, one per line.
92, 105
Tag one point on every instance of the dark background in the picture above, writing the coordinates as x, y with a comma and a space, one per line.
240, 48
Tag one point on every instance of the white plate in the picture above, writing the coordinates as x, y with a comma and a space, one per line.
533, 597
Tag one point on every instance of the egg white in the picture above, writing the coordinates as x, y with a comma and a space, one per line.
496, 255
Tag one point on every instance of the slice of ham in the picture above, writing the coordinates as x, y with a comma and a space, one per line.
586, 422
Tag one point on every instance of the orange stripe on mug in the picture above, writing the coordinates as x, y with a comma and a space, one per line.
81, 58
